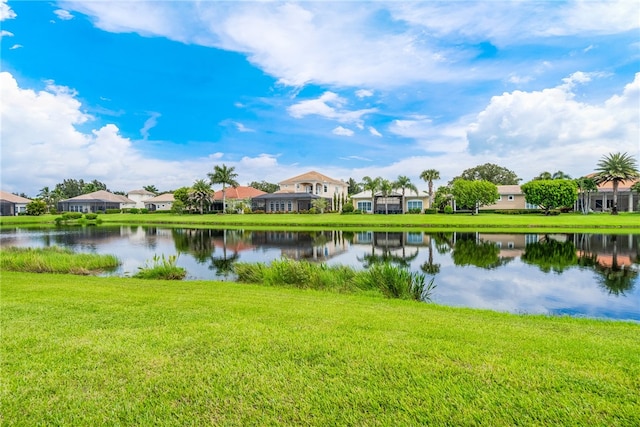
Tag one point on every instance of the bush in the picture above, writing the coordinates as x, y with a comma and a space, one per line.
143, 210
91, 216
162, 268
133, 210
113, 211
348, 208
448, 209
414, 211
71, 215
431, 211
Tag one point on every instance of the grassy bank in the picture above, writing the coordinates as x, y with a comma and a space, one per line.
572, 222
55, 260
87, 351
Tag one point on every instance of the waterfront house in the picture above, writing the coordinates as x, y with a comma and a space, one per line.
11, 205
162, 202
140, 197
98, 201
236, 197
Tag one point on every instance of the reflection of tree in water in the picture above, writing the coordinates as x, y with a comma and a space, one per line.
615, 278
480, 254
198, 243
550, 254
224, 265
387, 257
429, 266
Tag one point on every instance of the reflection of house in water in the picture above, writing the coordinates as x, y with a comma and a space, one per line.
511, 245
391, 242
609, 249
316, 246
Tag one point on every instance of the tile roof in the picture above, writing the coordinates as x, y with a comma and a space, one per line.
240, 192
9, 197
311, 176
143, 192
165, 197
100, 195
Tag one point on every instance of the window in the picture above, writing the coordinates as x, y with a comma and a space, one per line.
528, 205
415, 238
511, 197
500, 198
414, 204
289, 206
364, 206
326, 188
364, 236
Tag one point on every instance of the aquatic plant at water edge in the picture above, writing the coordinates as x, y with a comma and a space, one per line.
55, 260
161, 267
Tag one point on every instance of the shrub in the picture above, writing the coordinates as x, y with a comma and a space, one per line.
348, 208
133, 210
448, 209
71, 216
143, 210
162, 268
113, 211
414, 211
91, 216
394, 282
431, 211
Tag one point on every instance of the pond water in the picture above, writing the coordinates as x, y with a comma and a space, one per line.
586, 275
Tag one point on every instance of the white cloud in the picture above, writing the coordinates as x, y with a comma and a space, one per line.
65, 15
5, 11
373, 131
550, 129
342, 131
242, 128
364, 93
5, 33
16, 46
42, 145
150, 123
329, 105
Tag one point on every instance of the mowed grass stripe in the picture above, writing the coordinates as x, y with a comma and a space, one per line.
91, 351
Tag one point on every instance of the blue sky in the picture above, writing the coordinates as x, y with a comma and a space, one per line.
137, 93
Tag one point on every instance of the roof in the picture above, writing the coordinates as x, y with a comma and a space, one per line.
239, 192
288, 196
102, 196
142, 192
367, 195
9, 197
312, 176
165, 197
509, 189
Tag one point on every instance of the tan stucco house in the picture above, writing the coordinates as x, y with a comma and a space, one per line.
98, 201
510, 197
395, 202
11, 204
161, 202
140, 197
236, 197
297, 193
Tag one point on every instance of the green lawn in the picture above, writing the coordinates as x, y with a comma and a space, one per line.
574, 222
117, 351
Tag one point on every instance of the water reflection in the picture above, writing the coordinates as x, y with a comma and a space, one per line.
577, 274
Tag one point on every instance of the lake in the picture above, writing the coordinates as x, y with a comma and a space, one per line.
583, 275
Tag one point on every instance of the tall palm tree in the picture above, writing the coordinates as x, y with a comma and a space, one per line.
371, 184
46, 195
200, 193
385, 191
404, 182
429, 176
226, 176
616, 168
585, 186
560, 175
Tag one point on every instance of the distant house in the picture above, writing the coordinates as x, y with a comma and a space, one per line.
161, 202
98, 201
393, 203
11, 205
602, 200
236, 197
140, 197
296, 194
511, 197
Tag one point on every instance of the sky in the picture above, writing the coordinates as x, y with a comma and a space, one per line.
136, 93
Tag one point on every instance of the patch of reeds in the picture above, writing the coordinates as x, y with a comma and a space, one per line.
392, 281
161, 268
55, 260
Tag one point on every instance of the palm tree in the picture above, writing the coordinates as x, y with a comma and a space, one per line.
385, 191
429, 176
371, 184
402, 183
200, 193
319, 204
226, 176
585, 186
46, 195
616, 168
543, 176
151, 189
560, 175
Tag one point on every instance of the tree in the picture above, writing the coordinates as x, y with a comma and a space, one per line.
492, 173
404, 182
636, 187
46, 196
151, 189
69, 188
265, 186
36, 207
550, 193
226, 176
543, 175
182, 195
200, 194
474, 194
354, 187
177, 207
319, 204
560, 175
429, 176
442, 197
585, 186
371, 184
616, 168
385, 191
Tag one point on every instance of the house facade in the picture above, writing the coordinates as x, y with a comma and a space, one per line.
393, 203
140, 197
510, 197
298, 193
602, 200
98, 201
236, 198
160, 203
11, 205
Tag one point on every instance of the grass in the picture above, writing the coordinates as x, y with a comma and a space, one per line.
571, 222
389, 280
55, 260
83, 350
162, 268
